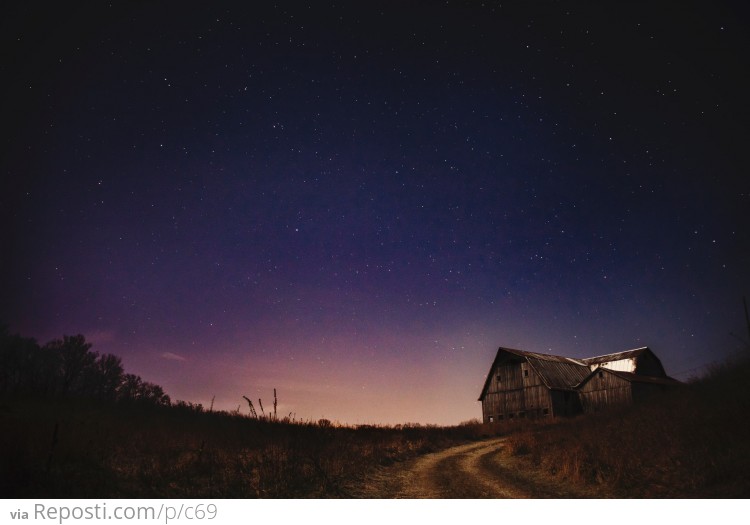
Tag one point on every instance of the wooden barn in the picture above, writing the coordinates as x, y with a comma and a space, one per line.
531, 385
606, 388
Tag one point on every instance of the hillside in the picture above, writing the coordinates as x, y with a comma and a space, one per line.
693, 442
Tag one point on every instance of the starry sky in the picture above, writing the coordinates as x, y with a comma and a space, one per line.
357, 203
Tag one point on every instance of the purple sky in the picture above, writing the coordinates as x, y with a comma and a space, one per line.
358, 205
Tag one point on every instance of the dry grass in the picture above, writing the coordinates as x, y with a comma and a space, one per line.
67, 448
694, 442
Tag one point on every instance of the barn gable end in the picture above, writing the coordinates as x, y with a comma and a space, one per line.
641, 361
604, 388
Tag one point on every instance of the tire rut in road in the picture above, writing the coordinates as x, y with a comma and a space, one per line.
497, 484
455, 477
475, 470
450, 473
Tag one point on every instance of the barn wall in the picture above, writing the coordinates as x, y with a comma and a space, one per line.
605, 390
491, 406
536, 398
515, 391
621, 365
507, 376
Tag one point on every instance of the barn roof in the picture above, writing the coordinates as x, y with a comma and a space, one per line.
627, 354
556, 372
560, 375
542, 357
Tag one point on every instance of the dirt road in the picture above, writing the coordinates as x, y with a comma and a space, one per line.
476, 470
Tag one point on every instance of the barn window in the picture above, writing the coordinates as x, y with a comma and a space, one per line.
545, 411
510, 416
601, 374
492, 419
498, 378
499, 417
525, 373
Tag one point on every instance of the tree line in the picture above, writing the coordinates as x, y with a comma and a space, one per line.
68, 367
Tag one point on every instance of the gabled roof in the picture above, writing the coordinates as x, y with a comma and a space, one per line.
556, 372
541, 357
627, 354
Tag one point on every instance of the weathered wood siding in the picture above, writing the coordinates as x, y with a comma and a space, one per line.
605, 390
515, 391
621, 365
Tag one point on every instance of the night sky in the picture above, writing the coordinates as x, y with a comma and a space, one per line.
357, 203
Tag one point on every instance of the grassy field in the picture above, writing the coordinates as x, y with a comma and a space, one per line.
693, 442
85, 449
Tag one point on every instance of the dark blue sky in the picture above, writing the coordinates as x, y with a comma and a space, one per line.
358, 204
